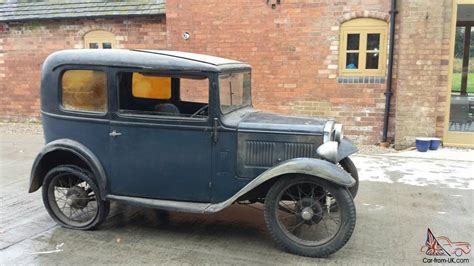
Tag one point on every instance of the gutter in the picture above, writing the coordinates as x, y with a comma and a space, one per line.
388, 92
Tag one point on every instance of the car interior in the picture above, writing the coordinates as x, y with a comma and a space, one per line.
151, 94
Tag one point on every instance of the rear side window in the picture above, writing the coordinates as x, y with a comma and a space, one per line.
84, 90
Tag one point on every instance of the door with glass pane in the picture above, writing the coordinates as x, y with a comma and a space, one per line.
460, 128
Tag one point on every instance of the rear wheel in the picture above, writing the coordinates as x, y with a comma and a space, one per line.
309, 216
72, 198
349, 167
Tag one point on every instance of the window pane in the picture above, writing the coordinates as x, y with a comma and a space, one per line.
458, 56
151, 87
106, 45
373, 41
372, 61
154, 94
352, 61
93, 45
194, 90
470, 72
84, 90
234, 91
353, 41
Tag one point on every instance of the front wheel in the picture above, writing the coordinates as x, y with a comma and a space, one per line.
72, 198
309, 216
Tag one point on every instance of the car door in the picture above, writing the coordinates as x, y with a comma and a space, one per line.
159, 156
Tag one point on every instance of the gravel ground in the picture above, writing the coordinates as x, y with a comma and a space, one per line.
34, 128
23, 128
374, 149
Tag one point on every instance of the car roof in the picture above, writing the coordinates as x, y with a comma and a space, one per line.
149, 59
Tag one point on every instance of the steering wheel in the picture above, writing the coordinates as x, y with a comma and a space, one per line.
200, 110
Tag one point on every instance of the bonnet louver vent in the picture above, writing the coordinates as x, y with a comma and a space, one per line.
259, 153
296, 150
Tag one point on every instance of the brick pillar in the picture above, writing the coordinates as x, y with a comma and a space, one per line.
422, 50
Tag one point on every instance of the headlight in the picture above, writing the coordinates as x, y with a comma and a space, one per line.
332, 132
328, 151
328, 131
338, 133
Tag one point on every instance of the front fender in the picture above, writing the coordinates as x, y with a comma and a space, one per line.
334, 151
307, 166
39, 168
345, 148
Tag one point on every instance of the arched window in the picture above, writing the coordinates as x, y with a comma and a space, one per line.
363, 47
99, 39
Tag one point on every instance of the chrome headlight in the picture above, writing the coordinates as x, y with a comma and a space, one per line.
332, 132
338, 133
328, 151
328, 131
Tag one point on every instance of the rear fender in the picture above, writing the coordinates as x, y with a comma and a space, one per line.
41, 167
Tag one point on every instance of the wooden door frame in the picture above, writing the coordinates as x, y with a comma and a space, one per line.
455, 138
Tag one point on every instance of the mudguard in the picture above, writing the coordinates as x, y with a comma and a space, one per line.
307, 166
75, 148
345, 148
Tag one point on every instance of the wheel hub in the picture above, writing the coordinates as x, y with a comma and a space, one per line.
310, 213
307, 213
76, 197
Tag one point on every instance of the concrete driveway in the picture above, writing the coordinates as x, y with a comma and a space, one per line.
400, 197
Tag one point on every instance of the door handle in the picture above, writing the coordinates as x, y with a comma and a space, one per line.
114, 134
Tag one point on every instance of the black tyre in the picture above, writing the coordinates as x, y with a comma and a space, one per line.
309, 216
72, 198
349, 167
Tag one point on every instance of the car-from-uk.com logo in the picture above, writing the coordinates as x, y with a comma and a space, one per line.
442, 250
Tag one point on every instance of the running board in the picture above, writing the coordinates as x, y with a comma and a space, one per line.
169, 205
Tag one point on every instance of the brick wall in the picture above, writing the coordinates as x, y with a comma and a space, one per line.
293, 49
422, 55
24, 47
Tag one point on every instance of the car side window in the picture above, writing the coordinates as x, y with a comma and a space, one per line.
151, 87
155, 94
84, 90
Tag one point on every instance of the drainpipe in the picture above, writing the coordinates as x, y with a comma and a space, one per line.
388, 92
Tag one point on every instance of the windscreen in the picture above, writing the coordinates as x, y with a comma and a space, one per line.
234, 91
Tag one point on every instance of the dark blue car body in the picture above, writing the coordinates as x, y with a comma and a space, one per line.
178, 163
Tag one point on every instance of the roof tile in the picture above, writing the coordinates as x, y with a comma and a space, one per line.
64, 9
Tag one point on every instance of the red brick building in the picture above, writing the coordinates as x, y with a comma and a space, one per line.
309, 57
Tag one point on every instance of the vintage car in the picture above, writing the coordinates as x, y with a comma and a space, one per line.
176, 131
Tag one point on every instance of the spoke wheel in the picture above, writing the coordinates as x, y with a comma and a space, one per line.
72, 198
309, 216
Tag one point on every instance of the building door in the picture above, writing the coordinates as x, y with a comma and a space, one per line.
460, 126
